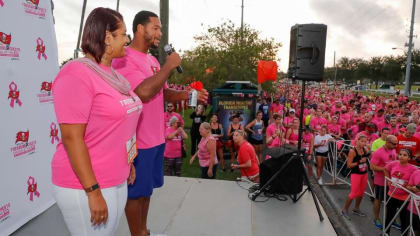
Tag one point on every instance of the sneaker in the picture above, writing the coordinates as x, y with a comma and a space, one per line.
320, 182
377, 223
396, 226
346, 215
358, 212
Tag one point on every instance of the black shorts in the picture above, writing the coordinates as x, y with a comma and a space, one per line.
379, 192
322, 154
255, 142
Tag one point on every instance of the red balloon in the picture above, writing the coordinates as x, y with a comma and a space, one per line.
197, 85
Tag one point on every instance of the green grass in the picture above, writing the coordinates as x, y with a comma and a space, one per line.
194, 170
387, 95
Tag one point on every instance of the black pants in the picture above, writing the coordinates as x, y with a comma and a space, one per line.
195, 139
204, 172
391, 209
172, 166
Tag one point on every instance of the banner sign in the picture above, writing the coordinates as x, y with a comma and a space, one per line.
29, 132
227, 106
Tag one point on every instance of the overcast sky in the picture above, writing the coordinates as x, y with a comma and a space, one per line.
356, 28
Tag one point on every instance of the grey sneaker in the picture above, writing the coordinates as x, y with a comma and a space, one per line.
358, 212
346, 215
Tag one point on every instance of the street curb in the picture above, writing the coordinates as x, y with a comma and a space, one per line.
342, 226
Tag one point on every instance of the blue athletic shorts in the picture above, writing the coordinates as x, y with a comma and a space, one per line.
149, 172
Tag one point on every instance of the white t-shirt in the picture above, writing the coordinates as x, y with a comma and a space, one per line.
319, 140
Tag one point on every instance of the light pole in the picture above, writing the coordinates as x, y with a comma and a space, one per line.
76, 51
410, 46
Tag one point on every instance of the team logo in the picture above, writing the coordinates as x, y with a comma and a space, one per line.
32, 188
54, 133
22, 137
4, 210
5, 49
45, 95
40, 48
32, 7
23, 145
14, 95
154, 69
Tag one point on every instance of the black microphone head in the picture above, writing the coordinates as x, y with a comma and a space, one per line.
168, 49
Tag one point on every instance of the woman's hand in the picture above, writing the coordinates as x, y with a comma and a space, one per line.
191, 160
132, 176
234, 166
210, 172
98, 207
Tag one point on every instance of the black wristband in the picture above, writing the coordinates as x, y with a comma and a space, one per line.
92, 188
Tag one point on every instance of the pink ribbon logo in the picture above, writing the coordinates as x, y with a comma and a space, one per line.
40, 48
1, 3
14, 95
54, 133
32, 188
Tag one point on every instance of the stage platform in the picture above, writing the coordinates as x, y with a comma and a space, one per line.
197, 207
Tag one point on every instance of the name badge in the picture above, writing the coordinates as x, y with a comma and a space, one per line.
131, 147
398, 181
259, 131
363, 167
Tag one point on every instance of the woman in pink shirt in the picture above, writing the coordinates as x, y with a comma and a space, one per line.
172, 161
98, 115
399, 172
292, 134
206, 153
275, 132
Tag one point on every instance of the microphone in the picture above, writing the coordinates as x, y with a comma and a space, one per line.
168, 49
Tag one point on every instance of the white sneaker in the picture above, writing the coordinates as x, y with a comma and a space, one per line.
320, 182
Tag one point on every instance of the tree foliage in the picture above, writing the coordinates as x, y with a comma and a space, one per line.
390, 69
226, 52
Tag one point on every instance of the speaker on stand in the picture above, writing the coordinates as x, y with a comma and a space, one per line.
306, 63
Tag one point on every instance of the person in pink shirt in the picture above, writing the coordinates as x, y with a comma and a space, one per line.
288, 120
148, 79
292, 134
275, 132
317, 121
399, 172
334, 128
276, 107
308, 144
98, 114
380, 158
173, 149
414, 186
206, 153
170, 112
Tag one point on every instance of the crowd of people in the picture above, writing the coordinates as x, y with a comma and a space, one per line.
118, 141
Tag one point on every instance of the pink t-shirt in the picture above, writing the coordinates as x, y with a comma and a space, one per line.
334, 128
168, 116
173, 146
380, 158
307, 139
82, 97
401, 174
317, 122
136, 67
271, 130
414, 181
203, 153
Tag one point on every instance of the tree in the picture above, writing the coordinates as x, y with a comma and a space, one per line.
226, 52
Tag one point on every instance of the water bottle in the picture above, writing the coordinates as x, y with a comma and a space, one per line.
192, 102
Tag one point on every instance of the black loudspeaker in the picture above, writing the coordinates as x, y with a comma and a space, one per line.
290, 180
307, 52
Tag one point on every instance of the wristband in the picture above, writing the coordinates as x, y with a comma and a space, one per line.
92, 188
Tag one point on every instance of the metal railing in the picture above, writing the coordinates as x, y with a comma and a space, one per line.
412, 198
336, 165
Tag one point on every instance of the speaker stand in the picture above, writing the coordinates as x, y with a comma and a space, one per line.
295, 197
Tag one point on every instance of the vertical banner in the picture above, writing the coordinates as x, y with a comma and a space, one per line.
29, 132
227, 106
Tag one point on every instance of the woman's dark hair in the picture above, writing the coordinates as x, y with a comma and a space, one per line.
98, 22
410, 155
